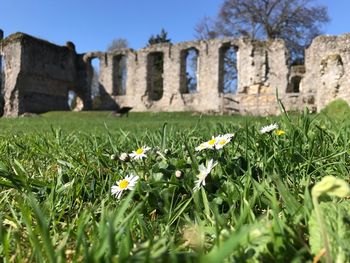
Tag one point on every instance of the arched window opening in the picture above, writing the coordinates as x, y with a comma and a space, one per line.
72, 99
189, 71
119, 75
294, 85
95, 89
95, 84
75, 101
228, 73
155, 69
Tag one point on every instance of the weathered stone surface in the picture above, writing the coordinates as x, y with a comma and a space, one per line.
39, 74
261, 68
327, 64
11, 60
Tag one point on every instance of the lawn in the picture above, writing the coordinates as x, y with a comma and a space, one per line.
174, 187
101, 121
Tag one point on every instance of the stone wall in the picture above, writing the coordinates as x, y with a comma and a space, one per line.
262, 69
39, 74
327, 65
31, 86
11, 59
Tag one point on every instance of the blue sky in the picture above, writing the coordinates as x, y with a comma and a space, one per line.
93, 24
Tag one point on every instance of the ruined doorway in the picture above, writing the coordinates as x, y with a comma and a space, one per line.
75, 99
294, 85
95, 84
189, 71
72, 99
228, 73
155, 80
119, 75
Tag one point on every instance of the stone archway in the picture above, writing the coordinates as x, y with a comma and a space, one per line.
189, 70
155, 80
228, 73
119, 75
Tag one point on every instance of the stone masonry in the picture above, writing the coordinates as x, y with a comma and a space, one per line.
37, 76
327, 65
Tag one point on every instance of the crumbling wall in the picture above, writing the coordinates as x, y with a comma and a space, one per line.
11, 53
262, 69
172, 99
46, 84
38, 75
327, 64
262, 73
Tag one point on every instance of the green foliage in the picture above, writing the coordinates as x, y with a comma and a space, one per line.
162, 37
256, 206
338, 109
337, 219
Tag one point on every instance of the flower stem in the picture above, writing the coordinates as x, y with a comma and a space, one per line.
323, 228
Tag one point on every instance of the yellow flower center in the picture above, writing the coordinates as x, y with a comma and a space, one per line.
211, 142
139, 151
222, 142
123, 184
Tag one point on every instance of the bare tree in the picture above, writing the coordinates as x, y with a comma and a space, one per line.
295, 21
118, 43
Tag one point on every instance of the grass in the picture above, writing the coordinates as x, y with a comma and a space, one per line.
56, 174
99, 121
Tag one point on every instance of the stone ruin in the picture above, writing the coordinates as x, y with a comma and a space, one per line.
37, 76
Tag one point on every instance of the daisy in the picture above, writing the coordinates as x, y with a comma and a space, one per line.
128, 183
207, 145
269, 128
202, 146
140, 153
215, 142
203, 173
222, 140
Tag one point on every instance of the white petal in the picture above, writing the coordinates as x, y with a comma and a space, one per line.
202, 169
119, 194
114, 189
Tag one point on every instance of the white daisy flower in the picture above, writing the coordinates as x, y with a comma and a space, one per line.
215, 142
128, 183
203, 173
140, 153
269, 128
207, 145
222, 140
